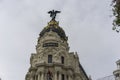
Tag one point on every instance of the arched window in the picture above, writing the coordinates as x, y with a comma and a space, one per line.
62, 59
49, 58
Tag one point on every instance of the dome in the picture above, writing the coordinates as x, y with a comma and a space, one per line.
54, 26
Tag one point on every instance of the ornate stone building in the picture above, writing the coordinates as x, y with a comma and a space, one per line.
117, 71
52, 60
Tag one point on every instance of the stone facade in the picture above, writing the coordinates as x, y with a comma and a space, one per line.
117, 71
52, 60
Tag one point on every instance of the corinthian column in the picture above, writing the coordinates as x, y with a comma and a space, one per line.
55, 76
42, 76
59, 76
31, 78
38, 76
69, 77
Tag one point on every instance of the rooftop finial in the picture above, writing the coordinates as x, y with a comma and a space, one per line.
53, 14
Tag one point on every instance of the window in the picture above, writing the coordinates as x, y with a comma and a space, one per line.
50, 44
49, 58
63, 78
62, 59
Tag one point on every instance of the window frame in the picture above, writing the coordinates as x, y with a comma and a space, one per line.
62, 59
49, 58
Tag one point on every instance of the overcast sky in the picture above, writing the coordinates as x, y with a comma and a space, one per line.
87, 24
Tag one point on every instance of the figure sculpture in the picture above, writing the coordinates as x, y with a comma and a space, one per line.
53, 14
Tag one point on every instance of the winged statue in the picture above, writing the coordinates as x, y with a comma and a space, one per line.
53, 14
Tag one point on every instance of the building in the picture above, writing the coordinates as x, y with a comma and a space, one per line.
110, 77
52, 60
117, 71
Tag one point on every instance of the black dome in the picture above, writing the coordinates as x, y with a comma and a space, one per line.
53, 26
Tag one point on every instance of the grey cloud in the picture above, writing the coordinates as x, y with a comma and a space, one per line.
87, 24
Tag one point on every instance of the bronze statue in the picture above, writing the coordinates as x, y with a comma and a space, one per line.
53, 14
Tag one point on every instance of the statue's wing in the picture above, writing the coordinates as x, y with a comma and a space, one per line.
50, 12
57, 11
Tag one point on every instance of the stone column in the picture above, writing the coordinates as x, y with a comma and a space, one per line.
65, 77
69, 77
42, 76
31, 78
59, 76
45, 76
38, 76
55, 78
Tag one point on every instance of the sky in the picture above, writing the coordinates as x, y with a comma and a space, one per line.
87, 23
